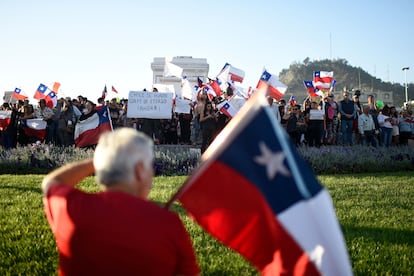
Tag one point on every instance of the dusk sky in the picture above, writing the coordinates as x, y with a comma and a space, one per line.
87, 44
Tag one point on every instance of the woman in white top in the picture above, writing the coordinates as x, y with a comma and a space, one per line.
385, 123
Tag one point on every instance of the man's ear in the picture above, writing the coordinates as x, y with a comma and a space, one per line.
139, 170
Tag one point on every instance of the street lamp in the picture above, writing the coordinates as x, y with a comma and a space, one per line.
406, 87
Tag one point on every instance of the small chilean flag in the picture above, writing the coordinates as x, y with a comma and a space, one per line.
114, 90
216, 87
51, 99
255, 194
227, 108
322, 79
40, 92
312, 90
17, 94
229, 72
276, 89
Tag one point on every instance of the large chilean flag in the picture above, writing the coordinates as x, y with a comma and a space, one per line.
88, 130
254, 193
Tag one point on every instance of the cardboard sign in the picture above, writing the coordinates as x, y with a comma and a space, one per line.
182, 106
150, 105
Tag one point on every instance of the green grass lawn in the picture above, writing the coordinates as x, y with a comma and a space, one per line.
376, 213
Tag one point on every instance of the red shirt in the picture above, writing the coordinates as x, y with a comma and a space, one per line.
116, 233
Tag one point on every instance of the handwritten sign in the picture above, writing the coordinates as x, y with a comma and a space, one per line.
182, 106
150, 105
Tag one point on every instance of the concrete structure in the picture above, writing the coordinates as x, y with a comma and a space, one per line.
192, 68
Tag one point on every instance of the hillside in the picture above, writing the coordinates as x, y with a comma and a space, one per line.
347, 76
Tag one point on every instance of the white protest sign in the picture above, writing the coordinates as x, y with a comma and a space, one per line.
182, 106
150, 105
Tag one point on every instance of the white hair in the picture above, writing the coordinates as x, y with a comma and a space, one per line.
117, 154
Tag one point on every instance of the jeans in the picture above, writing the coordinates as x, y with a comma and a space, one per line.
369, 139
386, 136
346, 129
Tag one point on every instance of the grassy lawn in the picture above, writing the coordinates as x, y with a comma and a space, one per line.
376, 213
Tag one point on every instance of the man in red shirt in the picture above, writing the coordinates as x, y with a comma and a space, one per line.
118, 231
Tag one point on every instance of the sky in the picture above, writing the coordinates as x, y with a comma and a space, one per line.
86, 45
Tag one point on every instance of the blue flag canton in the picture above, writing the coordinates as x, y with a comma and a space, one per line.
103, 115
52, 94
42, 88
281, 190
265, 76
308, 84
226, 106
17, 90
317, 74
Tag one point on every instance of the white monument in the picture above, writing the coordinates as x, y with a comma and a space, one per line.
193, 68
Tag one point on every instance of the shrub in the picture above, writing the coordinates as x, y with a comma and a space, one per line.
42, 158
358, 159
181, 160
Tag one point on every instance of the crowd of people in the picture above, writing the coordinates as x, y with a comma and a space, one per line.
315, 123
347, 122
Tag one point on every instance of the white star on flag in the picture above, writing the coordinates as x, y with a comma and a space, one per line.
272, 161
316, 255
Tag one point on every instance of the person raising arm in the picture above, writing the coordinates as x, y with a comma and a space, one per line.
117, 231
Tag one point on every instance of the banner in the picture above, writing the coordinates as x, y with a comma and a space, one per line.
150, 105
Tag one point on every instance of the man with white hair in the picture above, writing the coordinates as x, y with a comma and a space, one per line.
117, 231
